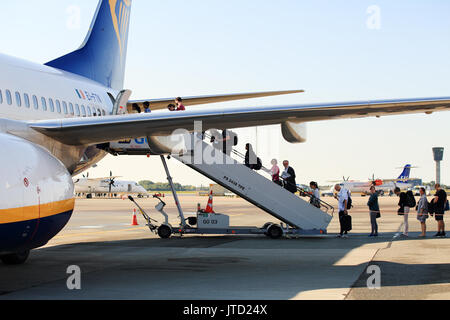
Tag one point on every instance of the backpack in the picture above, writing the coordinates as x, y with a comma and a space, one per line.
258, 164
349, 202
410, 199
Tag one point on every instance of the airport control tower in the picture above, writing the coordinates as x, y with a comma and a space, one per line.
438, 157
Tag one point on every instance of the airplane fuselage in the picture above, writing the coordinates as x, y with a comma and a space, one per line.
37, 198
32, 91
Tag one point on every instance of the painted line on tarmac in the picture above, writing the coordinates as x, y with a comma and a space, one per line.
91, 227
98, 232
103, 226
397, 235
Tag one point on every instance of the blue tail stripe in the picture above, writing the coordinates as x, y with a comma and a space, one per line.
406, 172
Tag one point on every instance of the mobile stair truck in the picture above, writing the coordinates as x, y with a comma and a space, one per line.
298, 217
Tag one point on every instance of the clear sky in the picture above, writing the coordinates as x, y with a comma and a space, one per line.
335, 50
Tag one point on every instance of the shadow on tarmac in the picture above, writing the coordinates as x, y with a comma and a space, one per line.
237, 264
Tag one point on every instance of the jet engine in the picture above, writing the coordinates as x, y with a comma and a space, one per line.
36, 197
294, 132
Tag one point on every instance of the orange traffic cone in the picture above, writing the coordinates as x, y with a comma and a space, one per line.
209, 206
134, 222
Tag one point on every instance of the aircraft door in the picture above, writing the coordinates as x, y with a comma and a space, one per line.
120, 103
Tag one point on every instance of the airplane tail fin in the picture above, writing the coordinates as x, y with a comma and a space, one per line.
102, 55
406, 172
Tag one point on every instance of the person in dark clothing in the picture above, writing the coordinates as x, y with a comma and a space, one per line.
216, 140
171, 107
289, 177
404, 209
439, 203
374, 210
250, 156
228, 141
147, 107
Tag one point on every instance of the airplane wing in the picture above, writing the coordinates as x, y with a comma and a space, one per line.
159, 104
88, 131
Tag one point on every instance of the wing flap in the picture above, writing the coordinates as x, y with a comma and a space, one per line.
161, 104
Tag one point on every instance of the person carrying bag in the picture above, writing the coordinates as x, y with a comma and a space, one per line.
374, 210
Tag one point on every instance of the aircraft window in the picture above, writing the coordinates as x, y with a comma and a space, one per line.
18, 99
27, 100
65, 110
89, 111
1, 97
44, 103
71, 111
35, 102
52, 105
83, 110
77, 109
58, 106
8, 97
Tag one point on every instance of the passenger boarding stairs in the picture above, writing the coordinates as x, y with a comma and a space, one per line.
233, 175
257, 189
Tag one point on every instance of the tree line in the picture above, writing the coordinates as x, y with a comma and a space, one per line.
165, 186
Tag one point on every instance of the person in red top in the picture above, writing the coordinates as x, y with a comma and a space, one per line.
179, 103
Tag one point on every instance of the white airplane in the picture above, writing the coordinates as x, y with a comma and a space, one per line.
53, 117
385, 186
88, 187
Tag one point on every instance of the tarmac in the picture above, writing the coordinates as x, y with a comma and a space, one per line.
120, 261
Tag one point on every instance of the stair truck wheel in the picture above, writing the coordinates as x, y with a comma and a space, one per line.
15, 258
192, 221
266, 226
275, 231
164, 231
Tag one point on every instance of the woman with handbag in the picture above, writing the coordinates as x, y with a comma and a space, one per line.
374, 210
422, 212
275, 173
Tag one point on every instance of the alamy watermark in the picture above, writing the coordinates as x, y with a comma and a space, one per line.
74, 280
373, 21
374, 280
73, 21
194, 151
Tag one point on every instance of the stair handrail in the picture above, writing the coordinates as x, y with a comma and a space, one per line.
328, 207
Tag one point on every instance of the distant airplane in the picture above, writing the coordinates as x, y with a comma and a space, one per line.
54, 116
384, 186
107, 186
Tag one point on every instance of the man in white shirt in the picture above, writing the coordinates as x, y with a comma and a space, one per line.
342, 198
